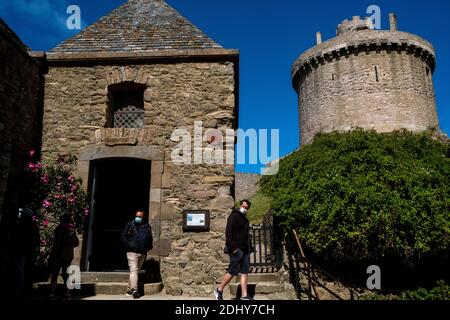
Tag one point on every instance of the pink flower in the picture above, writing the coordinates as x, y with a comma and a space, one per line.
45, 223
71, 199
46, 203
43, 241
71, 179
31, 153
44, 179
74, 188
34, 218
34, 167
86, 212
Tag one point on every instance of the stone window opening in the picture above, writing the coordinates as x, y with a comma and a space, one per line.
428, 71
376, 74
125, 105
332, 77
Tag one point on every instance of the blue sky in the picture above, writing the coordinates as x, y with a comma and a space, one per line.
270, 34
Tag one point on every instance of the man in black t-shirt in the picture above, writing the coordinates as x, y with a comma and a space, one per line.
237, 246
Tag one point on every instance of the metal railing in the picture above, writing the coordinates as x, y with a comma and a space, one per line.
301, 266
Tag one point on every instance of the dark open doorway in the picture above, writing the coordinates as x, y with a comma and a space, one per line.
119, 187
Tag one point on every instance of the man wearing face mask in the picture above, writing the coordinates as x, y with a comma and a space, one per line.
237, 246
137, 240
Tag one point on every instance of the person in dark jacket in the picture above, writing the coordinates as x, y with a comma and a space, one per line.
61, 254
237, 246
25, 243
137, 239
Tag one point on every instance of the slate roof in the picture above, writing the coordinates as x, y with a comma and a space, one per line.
138, 25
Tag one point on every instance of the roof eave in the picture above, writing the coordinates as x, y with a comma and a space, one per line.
56, 58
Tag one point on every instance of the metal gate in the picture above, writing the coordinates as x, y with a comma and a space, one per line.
265, 249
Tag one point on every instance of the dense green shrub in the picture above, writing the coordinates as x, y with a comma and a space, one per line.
362, 196
440, 292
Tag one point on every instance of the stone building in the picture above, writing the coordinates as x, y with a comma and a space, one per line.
114, 94
365, 78
21, 90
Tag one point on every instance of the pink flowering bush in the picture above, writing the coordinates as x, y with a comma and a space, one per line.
54, 192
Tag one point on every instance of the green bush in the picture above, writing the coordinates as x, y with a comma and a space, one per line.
362, 196
440, 292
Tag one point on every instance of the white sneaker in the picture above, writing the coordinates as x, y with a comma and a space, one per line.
218, 294
129, 293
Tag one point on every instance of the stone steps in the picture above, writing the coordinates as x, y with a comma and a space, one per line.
102, 288
262, 286
119, 288
108, 276
259, 277
107, 283
257, 288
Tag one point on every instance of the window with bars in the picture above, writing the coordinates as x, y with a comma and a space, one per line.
127, 106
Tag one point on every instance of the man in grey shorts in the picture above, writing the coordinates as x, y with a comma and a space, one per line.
237, 246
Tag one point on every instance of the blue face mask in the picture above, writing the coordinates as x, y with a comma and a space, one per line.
138, 219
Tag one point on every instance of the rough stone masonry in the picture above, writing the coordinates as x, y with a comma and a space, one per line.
181, 76
364, 78
176, 95
21, 90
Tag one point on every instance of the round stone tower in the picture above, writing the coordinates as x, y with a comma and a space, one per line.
365, 78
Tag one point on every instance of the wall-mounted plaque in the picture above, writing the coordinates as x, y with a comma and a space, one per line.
196, 220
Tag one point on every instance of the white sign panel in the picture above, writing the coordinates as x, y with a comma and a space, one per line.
195, 219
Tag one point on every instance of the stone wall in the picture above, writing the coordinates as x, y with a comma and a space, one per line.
20, 115
368, 79
350, 93
246, 185
176, 95
20, 129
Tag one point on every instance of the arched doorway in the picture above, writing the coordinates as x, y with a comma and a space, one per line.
118, 187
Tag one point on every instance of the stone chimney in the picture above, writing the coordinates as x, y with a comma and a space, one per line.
393, 21
318, 37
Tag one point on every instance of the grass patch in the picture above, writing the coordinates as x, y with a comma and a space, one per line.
260, 205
